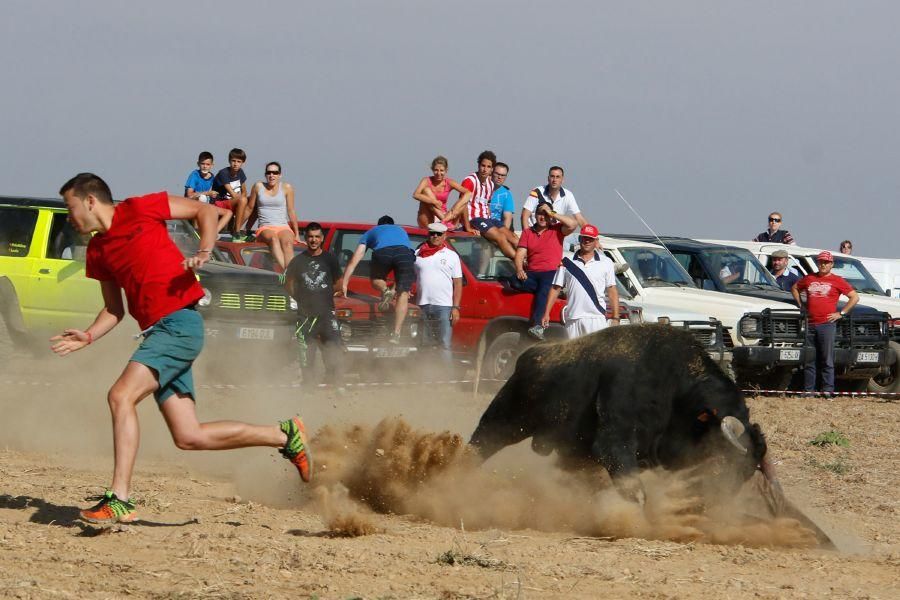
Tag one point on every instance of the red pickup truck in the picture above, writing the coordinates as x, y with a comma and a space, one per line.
493, 317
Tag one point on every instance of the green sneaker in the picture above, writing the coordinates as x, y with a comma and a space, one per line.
296, 449
239, 238
110, 510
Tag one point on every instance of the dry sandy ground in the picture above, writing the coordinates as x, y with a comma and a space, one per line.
240, 524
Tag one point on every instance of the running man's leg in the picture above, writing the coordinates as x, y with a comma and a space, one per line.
188, 433
135, 383
404, 263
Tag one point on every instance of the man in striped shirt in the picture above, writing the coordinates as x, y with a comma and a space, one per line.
476, 212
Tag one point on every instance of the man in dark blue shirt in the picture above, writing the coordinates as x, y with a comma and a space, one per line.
784, 277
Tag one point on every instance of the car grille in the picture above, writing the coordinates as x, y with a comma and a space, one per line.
726, 338
235, 301
782, 328
364, 331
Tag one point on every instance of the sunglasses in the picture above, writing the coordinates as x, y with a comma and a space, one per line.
273, 172
774, 220
585, 240
431, 233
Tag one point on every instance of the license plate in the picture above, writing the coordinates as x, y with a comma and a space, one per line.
391, 352
789, 355
867, 357
256, 333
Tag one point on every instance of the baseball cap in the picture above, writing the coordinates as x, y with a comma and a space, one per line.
780, 254
437, 227
824, 256
589, 231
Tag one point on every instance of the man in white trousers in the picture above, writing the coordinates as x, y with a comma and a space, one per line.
588, 279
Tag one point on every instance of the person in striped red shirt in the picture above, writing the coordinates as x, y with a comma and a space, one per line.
476, 211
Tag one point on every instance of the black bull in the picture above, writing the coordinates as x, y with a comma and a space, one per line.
630, 398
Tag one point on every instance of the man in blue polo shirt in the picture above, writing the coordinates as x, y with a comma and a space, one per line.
391, 251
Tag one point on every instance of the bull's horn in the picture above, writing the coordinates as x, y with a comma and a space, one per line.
732, 429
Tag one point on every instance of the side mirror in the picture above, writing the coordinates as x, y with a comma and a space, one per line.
621, 268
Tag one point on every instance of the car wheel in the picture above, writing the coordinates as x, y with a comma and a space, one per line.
501, 356
888, 383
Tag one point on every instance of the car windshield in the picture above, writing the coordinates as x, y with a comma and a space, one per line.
482, 258
188, 240
856, 275
737, 267
654, 267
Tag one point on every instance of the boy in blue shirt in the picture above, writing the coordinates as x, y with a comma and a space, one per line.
199, 187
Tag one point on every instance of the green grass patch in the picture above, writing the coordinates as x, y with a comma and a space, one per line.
830, 438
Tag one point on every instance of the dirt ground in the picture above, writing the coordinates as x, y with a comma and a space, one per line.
240, 524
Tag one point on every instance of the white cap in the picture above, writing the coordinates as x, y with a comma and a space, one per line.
437, 227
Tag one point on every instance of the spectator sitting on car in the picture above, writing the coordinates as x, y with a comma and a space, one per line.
199, 187
432, 193
232, 194
391, 250
541, 246
784, 277
774, 233
312, 278
477, 204
439, 273
276, 222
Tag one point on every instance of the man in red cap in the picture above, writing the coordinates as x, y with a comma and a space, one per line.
823, 289
588, 279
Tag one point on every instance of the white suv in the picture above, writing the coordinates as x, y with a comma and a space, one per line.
765, 339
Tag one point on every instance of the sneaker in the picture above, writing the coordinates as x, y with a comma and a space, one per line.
536, 332
386, 296
239, 238
296, 449
110, 510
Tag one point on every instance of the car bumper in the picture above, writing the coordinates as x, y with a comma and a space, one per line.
767, 356
386, 351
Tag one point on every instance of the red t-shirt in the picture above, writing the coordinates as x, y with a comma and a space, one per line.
139, 256
822, 294
545, 249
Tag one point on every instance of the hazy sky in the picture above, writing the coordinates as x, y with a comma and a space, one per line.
705, 115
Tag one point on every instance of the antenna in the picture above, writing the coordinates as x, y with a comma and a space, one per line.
658, 239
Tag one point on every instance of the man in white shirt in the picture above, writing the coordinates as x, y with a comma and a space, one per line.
563, 200
588, 279
439, 274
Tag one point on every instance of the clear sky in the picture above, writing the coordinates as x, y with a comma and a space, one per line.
705, 115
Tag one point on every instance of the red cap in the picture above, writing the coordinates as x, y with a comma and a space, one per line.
824, 256
590, 231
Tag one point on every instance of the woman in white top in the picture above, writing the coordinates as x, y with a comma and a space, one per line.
276, 222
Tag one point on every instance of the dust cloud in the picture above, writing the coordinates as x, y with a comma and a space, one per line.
395, 469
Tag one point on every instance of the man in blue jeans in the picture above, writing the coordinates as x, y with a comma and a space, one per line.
541, 247
823, 289
439, 273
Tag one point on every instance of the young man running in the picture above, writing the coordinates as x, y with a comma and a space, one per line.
132, 252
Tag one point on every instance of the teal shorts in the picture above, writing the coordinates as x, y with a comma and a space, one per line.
170, 349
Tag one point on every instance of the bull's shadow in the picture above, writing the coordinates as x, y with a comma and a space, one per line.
48, 513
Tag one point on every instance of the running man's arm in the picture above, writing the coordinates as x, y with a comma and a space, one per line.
351, 266
207, 218
109, 316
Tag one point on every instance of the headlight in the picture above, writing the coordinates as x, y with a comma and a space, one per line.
346, 331
750, 326
293, 304
343, 313
206, 300
664, 321
413, 329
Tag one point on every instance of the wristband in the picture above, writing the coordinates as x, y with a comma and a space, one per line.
90, 337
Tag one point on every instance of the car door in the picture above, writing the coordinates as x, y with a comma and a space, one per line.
61, 296
17, 254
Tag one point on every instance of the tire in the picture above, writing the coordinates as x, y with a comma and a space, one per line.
889, 383
852, 385
501, 356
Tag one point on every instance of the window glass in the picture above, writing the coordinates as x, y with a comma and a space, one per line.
16, 230
655, 267
483, 259
343, 247
856, 275
734, 267
64, 242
